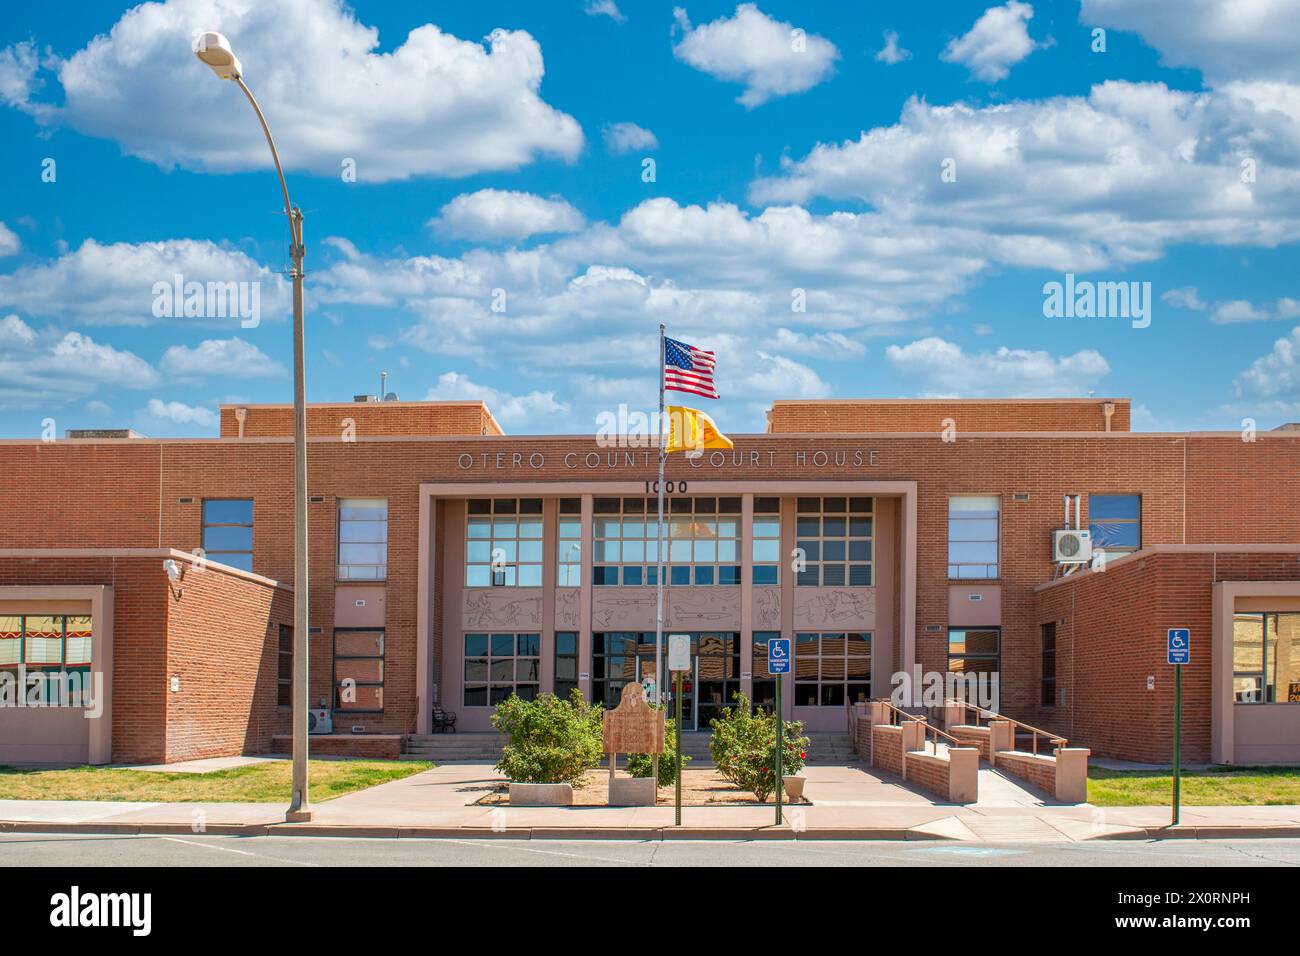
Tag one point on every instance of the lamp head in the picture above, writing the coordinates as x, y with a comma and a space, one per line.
214, 50
173, 570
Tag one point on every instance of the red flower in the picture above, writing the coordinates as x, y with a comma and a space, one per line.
803, 755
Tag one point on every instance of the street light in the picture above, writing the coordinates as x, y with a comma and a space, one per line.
214, 50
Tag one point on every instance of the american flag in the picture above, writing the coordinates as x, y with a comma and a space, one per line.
688, 369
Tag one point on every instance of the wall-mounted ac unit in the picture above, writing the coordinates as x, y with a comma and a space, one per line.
1073, 546
320, 722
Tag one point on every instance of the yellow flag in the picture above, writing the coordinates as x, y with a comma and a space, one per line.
692, 431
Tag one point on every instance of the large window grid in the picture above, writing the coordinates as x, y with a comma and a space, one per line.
1115, 522
1266, 657
566, 663
764, 685
765, 541
503, 543
358, 669
831, 668
701, 540
835, 536
974, 650
228, 531
53, 644
973, 536
568, 545
498, 665
363, 539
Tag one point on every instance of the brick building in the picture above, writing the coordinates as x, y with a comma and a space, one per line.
452, 564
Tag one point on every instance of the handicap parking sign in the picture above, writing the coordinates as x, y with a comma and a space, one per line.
778, 655
1180, 645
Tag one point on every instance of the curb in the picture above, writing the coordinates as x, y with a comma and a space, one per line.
1286, 831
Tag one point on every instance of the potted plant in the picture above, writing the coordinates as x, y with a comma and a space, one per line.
551, 744
744, 748
794, 781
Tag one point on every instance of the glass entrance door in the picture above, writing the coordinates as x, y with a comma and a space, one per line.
646, 669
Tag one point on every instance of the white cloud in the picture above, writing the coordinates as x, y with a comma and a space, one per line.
431, 105
891, 52
1186, 297
1226, 39
9, 242
766, 55
47, 371
231, 357
828, 345
625, 137
1074, 183
112, 284
178, 413
942, 368
496, 214
1237, 310
534, 408
998, 41
1275, 375
604, 8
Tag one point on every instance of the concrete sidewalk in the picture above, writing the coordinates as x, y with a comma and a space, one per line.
847, 803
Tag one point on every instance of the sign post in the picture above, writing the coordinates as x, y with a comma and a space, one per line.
778, 664
1179, 650
679, 659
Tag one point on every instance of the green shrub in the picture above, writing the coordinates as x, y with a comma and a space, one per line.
744, 748
642, 765
550, 740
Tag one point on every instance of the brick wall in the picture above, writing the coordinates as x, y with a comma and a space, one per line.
928, 772
1039, 771
977, 737
1111, 634
970, 415
369, 419
887, 748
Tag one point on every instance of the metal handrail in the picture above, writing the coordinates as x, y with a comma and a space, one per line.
1055, 739
929, 728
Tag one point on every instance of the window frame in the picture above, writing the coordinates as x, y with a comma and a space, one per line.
755, 563
337, 706
284, 684
340, 522
1047, 684
1136, 522
489, 658
62, 668
556, 680
568, 567
955, 568
996, 656
823, 681
677, 572
817, 566
204, 524
514, 514
1269, 682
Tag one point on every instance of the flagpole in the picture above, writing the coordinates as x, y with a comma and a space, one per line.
659, 550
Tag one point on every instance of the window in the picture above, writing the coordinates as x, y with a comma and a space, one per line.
701, 540
1115, 522
503, 543
834, 535
284, 668
566, 663
363, 539
830, 669
358, 669
717, 669
228, 531
764, 683
973, 536
51, 644
568, 558
1047, 696
974, 650
613, 664
498, 665
1266, 657
765, 541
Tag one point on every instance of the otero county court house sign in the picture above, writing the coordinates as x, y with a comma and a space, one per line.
614, 460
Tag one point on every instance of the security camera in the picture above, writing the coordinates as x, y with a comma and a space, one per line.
173, 570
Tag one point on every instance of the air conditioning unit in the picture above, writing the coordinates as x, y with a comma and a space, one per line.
320, 722
1073, 546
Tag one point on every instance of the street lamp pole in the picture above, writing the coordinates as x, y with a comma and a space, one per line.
214, 50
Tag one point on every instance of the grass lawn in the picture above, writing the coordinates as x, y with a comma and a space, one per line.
1214, 786
256, 783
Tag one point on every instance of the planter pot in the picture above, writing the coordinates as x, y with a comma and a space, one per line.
541, 795
794, 787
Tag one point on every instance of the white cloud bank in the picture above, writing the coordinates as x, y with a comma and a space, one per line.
495, 214
941, 368
998, 41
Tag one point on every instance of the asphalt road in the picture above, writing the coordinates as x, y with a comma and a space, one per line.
40, 849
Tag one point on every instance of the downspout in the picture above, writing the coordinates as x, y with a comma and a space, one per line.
1108, 409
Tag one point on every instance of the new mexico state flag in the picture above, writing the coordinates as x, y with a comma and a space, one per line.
692, 431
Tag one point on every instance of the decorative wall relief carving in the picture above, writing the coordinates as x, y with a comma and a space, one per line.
703, 609
767, 609
568, 616
508, 608
849, 609
622, 609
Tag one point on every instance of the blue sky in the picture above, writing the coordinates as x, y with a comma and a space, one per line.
792, 159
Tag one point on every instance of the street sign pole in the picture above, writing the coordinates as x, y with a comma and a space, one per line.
677, 734
1178, 738
779, 748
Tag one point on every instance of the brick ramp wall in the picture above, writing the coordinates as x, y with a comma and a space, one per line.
929, 772
1038, 771
369, 746
887, 748
977, 737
